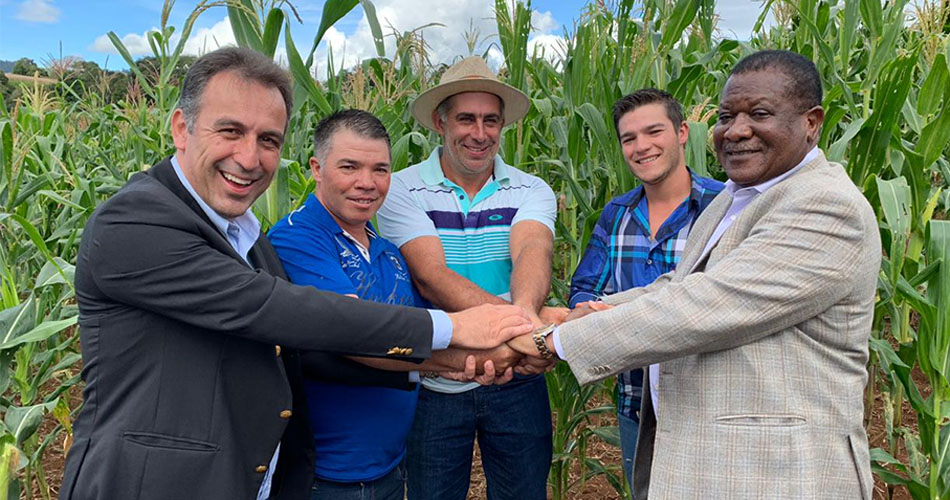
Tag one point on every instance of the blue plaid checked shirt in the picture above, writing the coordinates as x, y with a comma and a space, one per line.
621, 255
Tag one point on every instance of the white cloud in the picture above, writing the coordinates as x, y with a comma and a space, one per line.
207, 39
38, 11
543, 22
202, 40
551, 47
136, 44
735, 20
445, 43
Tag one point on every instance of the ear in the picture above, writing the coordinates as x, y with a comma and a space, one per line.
683, 133
315, 169
814, 117
437, 121
179, 130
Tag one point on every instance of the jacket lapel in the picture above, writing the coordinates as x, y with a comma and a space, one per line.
164, 173
703, 230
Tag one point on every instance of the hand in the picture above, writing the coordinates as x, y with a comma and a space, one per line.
525, 345
488, 326
487, 377
585, 308
502, 357
533, 366
532, 363
554, 315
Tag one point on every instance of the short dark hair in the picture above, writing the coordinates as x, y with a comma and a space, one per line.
361, 123
249, 64
804, 82
642, 97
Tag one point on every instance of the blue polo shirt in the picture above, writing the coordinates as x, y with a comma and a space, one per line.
359, 432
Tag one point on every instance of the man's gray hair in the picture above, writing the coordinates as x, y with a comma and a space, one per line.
248, 64
361, 123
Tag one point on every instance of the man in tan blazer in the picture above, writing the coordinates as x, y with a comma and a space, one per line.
761, 332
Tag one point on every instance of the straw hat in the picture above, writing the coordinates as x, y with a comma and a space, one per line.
469, 75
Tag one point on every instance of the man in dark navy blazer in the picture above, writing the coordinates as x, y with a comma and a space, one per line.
184, 309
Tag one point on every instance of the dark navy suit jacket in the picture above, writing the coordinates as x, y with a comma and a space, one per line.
187, 394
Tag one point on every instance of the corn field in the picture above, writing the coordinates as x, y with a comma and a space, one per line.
886, 79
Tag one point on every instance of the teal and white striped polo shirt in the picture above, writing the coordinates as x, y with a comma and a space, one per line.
474, 231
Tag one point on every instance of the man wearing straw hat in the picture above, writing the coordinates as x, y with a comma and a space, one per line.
475, 230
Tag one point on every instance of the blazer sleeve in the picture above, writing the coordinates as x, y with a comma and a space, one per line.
796, 262
337, 369
150, 251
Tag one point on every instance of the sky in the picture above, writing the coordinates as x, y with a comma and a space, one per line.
46, 29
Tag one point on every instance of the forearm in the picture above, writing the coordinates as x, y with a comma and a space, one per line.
532, 248
531, 278
450, 291
450, 359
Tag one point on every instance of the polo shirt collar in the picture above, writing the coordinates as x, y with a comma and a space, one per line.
431, 172
321, 216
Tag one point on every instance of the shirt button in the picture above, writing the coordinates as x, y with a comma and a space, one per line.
260, 469
649, 262
461, 196
286, 414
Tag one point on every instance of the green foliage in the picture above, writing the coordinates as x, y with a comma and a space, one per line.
69, 147
27, 67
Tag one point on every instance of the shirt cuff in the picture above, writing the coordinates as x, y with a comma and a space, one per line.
441, 329
582, 297
414, 376
556, 338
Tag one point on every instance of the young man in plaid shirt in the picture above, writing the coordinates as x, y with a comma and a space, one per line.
641, 234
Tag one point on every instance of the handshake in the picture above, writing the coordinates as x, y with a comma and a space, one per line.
498, 341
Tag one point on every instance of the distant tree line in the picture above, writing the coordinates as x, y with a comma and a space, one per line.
82, 80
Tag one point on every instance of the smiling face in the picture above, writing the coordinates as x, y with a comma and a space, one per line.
470, 134
353, 179
230, 155
652, 146
762, 132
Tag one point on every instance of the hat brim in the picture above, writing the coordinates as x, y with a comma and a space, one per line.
516, 102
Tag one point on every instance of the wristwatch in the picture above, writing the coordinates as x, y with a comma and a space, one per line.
539, 335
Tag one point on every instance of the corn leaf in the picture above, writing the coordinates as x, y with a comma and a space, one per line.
370, 11
938, 294
23, 422
870, 152
301, 75
934, 87
333, 11
275, 20
684, 11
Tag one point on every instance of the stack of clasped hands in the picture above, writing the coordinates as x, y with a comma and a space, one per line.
518, 353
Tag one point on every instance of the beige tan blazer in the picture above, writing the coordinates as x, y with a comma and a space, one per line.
762, 349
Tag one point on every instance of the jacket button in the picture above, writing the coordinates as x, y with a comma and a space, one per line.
260, 469
286, 414
277, 350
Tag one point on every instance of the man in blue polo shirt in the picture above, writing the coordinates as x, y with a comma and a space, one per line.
329, 243
641, 234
